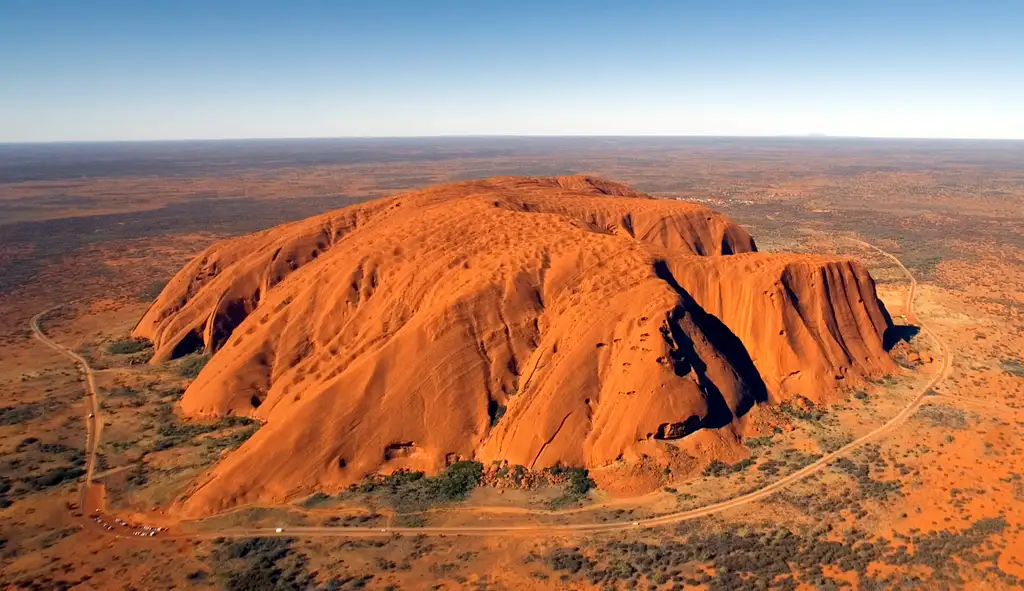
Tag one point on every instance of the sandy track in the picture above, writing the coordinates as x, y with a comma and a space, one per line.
93, 421
527, 530
964, 401
113, 471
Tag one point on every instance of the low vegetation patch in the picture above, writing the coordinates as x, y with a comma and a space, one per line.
172, 432
5, 501
1013, 367
372, 519
941, 415
128, 346
870, 487
830, 442
190, 366
408, 492
261, 563
756, 442
791, 461
137, 477
38, 466
720, 468
16, 415
125, 391
803, 409
730, 556
577, 484
317, 500
56, 476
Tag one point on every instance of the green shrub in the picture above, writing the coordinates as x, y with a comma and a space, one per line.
755, 442
191, 366
941, 415
568, 560
316, 500
256, 563
578, 484
128, 346
720, 468
459, 479
413, 491
1013, 367
16, 415
175, 392
123, 391
173, 432
57, 476
805, 412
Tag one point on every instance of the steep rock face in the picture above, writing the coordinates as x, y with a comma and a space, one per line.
813, 320
596, 320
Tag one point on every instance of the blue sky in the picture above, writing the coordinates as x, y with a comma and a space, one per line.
95, 70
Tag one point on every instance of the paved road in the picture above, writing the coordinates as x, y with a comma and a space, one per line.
492, 530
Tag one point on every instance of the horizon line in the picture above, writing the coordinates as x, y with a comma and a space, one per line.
805, 136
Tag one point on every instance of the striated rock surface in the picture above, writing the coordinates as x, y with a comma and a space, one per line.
534, 320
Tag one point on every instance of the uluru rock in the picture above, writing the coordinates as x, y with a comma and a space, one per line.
534, 320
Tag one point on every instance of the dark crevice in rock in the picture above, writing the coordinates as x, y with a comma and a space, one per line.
685, 358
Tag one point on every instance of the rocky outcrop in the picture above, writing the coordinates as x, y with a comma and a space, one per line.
533, 320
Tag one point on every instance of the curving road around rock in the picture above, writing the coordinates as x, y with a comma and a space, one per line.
94, 425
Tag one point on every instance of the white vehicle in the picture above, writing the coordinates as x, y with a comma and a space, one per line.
91, 415
636, 523
279, 530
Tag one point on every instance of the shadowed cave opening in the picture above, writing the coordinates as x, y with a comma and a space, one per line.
189, 344
399, 449
495, 411
232, 314
897, 333
894, 333
678, 430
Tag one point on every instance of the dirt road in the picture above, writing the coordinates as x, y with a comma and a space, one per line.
93, 421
